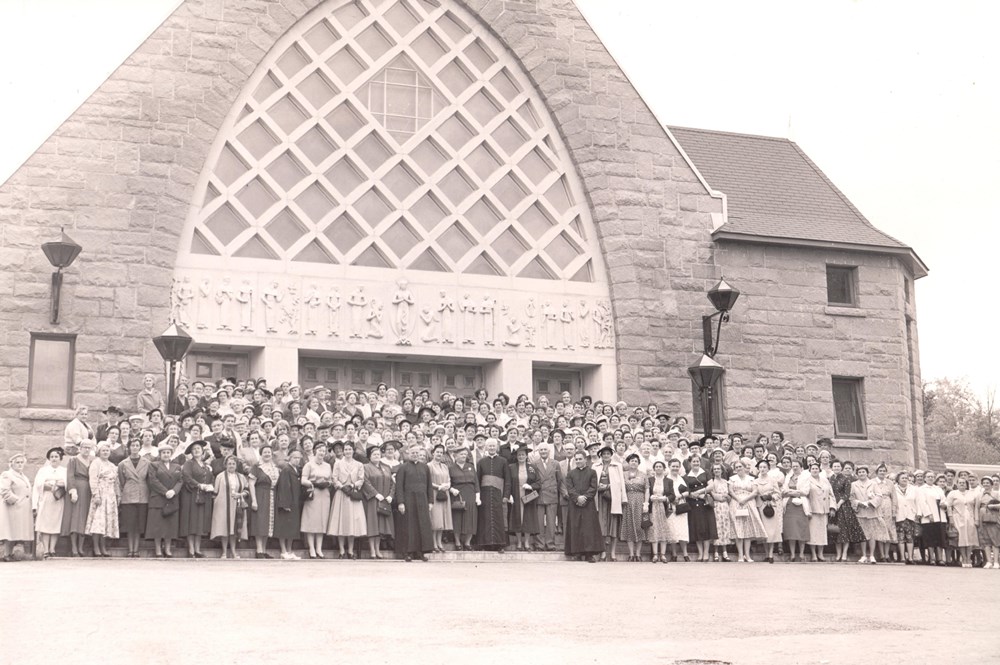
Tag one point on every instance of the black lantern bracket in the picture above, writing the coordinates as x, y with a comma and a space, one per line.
173, 345
60, 254
723, 297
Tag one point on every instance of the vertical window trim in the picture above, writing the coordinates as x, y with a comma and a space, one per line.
70, 384
853, 288
859, 395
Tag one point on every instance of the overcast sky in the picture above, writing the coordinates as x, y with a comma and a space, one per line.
897, 101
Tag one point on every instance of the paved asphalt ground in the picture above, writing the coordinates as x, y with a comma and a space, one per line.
213, 612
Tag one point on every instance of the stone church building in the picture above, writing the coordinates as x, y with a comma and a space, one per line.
444, 194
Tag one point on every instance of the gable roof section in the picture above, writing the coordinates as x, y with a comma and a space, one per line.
776, 193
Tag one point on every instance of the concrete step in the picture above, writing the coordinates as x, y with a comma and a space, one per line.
213, 553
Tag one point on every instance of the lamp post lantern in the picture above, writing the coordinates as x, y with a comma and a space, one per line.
173, 345
706, 374
60, 254
723, 297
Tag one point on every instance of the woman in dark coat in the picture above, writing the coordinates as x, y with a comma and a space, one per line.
196, 498
165, 479
464, 486
377, 491
263, 483
701, 520
288, 504
523, 517
583, 529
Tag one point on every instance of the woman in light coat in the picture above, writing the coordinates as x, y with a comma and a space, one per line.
16, 523
906, 516
48, 500
229, 519
961, 503
105, 494
347, 515
865, 501
796, 516
819, 502
132, 479
610, 497
78, 430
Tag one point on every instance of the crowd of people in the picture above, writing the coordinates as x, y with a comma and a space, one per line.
398, 470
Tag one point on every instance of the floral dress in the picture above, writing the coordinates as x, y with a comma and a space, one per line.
845, 519
659, 531
719, 488
635, 495
886, 491
102, 520
747, 526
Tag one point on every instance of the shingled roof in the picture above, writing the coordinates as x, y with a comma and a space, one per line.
774, 192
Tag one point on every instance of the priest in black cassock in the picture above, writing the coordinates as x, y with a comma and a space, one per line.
583, 529
494, 488
414, 499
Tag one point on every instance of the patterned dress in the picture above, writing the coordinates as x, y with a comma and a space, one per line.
262, 520
886, 491
862, 496
845, 519
747, 526
660, 529
102, 520
719, 487
635, 495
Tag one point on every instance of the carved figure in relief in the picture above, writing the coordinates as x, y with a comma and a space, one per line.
468, 308
604, 325
374, 319
271, 297
566, 317
333, 313
291, 306
204, 302
446, 313
582, 313
551, 316
180, 302
513, 336
430, 321
245, 298
357, 302
224, 301
313, 302
403, 321
487, 309
529, 322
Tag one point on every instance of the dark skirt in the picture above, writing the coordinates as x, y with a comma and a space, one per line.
287, 523
934, 534
378, 525
259, 521
132, 518
610, 523
701, 523
523, 517
196, 518
583, 531
850, 528
75, 514
465, 522
160, 526
795, 523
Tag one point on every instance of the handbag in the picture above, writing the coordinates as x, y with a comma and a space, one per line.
58, 493
458, 504
441, 495
646, 522
383, 508
741, 511
309, 494
530, 496
709, 500
170, 507
353, 493
768, 510
682, 507
832, 529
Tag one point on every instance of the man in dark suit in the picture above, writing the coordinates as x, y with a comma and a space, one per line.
114, 416
548, 498
227, 447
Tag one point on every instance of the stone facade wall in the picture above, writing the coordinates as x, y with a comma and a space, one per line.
120, 172
784, 343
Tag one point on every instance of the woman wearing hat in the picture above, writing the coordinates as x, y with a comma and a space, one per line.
796, 517
78, 493
583, 528
464, 487
440, 485
636, 507
288, 504
525, 483
610, 498
316, 481
229, 519
164, 479
377, 491
16, 523
677, 494
263, 481
347, 515
701, 520
133, 475
770, 506
102, 519
48, 500
196, 498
